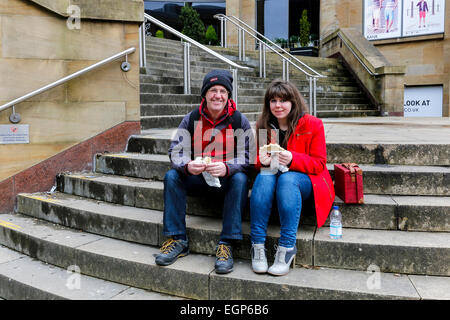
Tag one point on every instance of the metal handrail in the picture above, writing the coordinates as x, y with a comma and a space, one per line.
65, 79
192, 41
356, 56
187, 56
222, 16
262, 56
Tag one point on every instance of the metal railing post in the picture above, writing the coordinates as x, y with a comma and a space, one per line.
235, 85
142, 53
221, 33
260, 59
264, 60
315, 96
243, 44
225, 33
287, 69
240, 44
187, 68
311, 106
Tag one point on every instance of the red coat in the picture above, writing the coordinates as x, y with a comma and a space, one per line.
309, 155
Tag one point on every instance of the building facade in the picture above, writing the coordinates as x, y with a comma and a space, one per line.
404, 43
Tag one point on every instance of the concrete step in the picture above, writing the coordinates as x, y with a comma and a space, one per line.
381, 212
242, 76
378, 179
157, 141
347, 113
161, 98
170, 121
200, 65
24, 278
315, 62
179, 109
422, 253
330, 91
158, 54
161, 54
253, 83
193, 277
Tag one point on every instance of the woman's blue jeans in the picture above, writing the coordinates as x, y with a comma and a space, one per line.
177, 186
291, 189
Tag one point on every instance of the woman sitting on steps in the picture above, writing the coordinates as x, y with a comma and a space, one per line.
303, 175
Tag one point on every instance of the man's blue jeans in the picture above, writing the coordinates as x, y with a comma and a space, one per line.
291, 189
177, 186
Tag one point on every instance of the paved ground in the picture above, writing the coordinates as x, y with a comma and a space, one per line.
388, 130
385, 130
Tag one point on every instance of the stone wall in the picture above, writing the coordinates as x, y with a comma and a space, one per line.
426, 59
245, 10
37, 47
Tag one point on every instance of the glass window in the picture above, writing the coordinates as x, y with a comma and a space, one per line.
276, 19
169, 13
280, 19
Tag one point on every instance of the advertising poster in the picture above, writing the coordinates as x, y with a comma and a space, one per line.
423, 101
423, 17
382, 19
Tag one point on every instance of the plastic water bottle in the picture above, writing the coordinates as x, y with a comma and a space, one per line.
335, 223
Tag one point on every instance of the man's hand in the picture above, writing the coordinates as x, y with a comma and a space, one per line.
195, 167
216, 169
264, 158
284, 157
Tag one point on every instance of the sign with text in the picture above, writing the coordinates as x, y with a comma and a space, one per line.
14, 133
423, 101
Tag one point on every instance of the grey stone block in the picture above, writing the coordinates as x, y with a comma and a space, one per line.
391, 251
308, 284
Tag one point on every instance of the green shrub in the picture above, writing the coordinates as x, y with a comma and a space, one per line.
193, 26
211, 36
159, 34
305, 27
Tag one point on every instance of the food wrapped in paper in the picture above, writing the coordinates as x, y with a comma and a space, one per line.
274, 149
210, 180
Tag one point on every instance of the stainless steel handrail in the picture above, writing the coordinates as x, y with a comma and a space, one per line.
67, 78
356, 56
222, 16
187, 88
312, 78
192, 41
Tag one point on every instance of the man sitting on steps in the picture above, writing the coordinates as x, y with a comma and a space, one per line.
204, 148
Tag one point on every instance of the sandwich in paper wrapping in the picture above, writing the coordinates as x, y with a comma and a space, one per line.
274, 149
210, 180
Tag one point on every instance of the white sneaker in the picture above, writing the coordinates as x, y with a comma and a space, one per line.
283, 260
259, 260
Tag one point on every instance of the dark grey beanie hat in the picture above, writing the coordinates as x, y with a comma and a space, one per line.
215, 77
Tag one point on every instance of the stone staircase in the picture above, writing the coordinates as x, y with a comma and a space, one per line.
163, 104
108, 225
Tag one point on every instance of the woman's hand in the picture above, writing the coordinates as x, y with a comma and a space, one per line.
264, 158
216, 169
285, 157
